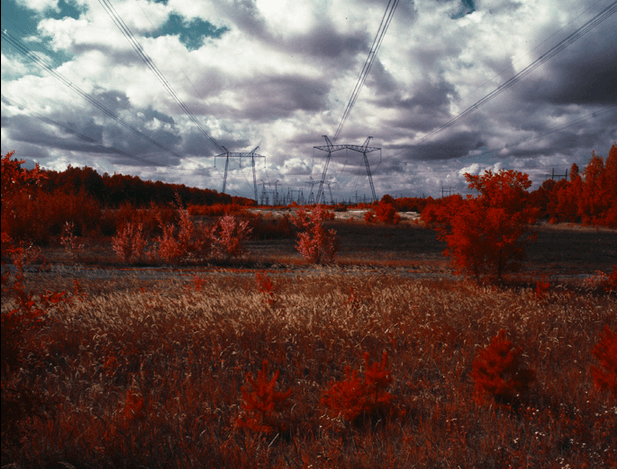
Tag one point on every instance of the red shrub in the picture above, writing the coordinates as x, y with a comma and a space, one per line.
486, 235
497, 372
263, 406
229, 236
355, 398
186, 242
605, 378
130, 242
267, 288
542, 287
315, 244
386, 213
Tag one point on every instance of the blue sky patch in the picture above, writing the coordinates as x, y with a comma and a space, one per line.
22, 22
192, 32
467, 7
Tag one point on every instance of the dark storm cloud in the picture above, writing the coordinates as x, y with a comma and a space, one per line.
113, 100
151, 114
586, 73
427, 107
247, 17
325, 41
30, 130
452, 146
273, 97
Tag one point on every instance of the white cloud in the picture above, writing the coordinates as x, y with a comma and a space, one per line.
280, 77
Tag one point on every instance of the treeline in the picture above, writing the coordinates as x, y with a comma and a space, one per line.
37, 203
118, 189
96, 204
588, 196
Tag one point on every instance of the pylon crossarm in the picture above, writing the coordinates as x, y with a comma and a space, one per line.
362, 149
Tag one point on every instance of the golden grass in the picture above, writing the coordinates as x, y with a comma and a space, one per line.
150, 373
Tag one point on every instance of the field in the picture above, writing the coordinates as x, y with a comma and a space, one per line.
375, 361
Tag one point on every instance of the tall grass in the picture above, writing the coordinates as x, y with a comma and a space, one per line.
157, 374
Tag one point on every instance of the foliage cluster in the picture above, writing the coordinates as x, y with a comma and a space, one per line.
385, 212
176, 372
316, 244
356, 399
117, 189
588, 197
487, 234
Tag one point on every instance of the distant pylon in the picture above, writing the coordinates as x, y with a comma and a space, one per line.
331, 148
233, 154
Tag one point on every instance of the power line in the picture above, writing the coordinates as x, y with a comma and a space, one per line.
368, 63
498, 74
97, 143
152, 66
178, 65
552, 130
23, 49
580, 32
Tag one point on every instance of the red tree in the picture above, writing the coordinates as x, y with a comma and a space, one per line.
486, 235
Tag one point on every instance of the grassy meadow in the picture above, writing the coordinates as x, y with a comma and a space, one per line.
124, 373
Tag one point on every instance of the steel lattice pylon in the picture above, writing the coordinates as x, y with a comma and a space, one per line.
235, 154
331, 148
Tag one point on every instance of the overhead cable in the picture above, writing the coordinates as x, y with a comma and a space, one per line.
576, 35
368, 63
117, 19
23, 49
67, 129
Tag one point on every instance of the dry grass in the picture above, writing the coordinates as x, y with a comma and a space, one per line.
149, 374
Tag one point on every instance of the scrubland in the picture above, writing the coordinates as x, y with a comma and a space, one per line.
205, 336
136, 373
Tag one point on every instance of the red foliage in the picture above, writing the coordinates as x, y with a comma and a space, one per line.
267, 288
186, 242
130, 242
263, 406
229, 236
589, 197
28, 212
486, 235
20, 328
135, 407
315, 244
386, 212
605, 378
355, 398
498, 373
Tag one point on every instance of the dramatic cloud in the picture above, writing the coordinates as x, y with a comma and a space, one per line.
279, 74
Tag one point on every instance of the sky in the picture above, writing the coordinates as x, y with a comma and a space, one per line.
456, 86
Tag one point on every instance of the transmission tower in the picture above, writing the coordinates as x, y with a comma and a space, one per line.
234, 154
330, 191
311, 197
331, 148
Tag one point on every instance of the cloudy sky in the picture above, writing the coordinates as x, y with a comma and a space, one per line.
279, 74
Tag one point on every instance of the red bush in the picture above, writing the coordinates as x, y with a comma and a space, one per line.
315, 244
355, 398
267, 288
229, 236
262, 406
130, 242
386, 213
498, 373
486, 235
